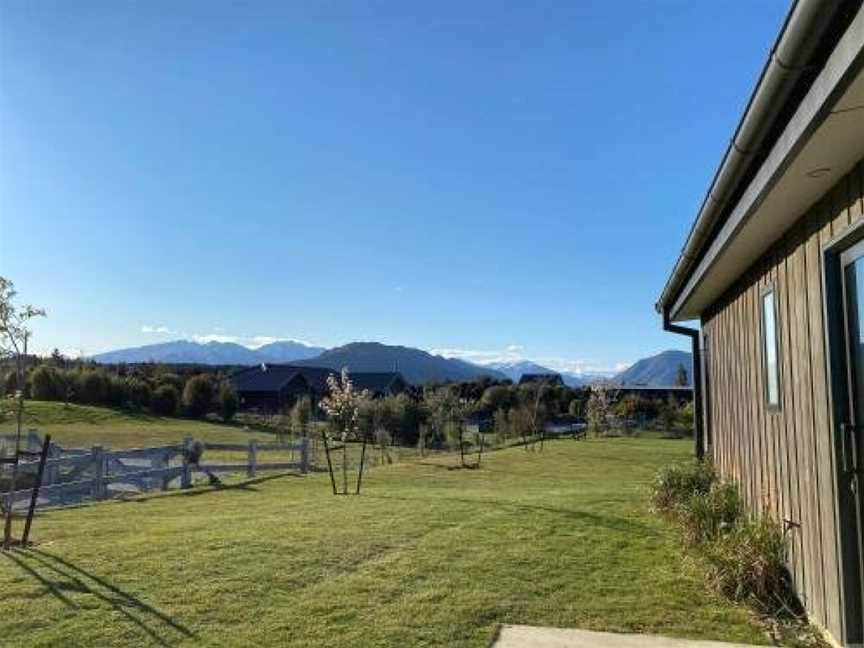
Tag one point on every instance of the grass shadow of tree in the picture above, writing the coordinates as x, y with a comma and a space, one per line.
152, 621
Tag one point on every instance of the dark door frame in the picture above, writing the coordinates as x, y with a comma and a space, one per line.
849, 512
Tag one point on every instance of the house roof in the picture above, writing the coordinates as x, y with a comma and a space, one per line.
375, 382
804, 117
540, 377
273, 377
263, 378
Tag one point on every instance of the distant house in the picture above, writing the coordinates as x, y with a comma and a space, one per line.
654, 392
379, 383
549, 378
273, 387
773, 270
269, 387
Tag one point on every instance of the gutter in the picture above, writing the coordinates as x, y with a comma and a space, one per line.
698, 418
795, 59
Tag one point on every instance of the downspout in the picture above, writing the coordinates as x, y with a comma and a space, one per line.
698, 419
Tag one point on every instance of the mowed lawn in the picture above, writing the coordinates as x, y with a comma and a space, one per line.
84, 426
428, 555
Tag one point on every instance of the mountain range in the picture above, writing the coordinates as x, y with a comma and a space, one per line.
417, 366
514, 370
211, 353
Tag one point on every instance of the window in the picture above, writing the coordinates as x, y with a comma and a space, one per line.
769, 340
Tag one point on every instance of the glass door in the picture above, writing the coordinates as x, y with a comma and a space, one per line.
852, 429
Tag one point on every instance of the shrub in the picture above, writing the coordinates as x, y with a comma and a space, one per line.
675, 485
93, 387
228, 402
165, 400
705, 516
10, 383
749, 564
116, 392
198, 395
139, 393
43, 385
171, 379
301, 414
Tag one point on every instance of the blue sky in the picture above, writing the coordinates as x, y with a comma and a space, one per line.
508, 179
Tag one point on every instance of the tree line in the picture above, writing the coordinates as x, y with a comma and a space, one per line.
154, 388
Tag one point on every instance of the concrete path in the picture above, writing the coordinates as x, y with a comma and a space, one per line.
519, 636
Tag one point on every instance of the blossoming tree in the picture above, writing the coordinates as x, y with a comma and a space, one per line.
342, 405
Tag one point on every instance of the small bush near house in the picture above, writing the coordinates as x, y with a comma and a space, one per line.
748, 563
708, 515
746, 554
165, 400
675, 486
198, 395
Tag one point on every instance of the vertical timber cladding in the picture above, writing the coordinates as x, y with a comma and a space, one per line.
784, 460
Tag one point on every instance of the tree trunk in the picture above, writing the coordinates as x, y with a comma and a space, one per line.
480, 452
20, 378
345, 465
329, 462
462, 445
362, 458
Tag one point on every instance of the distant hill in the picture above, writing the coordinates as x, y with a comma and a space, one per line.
515, 370
658, 370
416, 366
288, 351
211, 353
582, 379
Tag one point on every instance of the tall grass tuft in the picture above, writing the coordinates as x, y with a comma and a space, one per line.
674, 486
706, 516
746, 554
748, 563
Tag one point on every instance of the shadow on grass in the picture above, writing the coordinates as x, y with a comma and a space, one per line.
156, 624
611, 522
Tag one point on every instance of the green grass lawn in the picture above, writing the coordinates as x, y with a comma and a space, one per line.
428, 555
84, 426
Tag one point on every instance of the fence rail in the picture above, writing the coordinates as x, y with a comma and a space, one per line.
73, 477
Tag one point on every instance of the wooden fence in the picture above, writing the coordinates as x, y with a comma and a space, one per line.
76, 475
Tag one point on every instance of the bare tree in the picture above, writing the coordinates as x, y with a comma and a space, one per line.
447, 414
538, 417
14, 338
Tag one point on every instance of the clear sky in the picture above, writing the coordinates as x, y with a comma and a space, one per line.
500, 178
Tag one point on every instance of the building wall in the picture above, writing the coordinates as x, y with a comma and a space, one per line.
784, 461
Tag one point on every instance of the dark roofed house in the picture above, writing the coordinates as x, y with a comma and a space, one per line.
550, 378
679, 394
379, 383
274, 387
269, 387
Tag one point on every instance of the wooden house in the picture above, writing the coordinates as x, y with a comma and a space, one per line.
275, 387
773, 271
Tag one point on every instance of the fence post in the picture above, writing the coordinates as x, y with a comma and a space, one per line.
304, 454
186, 475
166, 464
52, 472
253, 457
98, 489
33, 441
